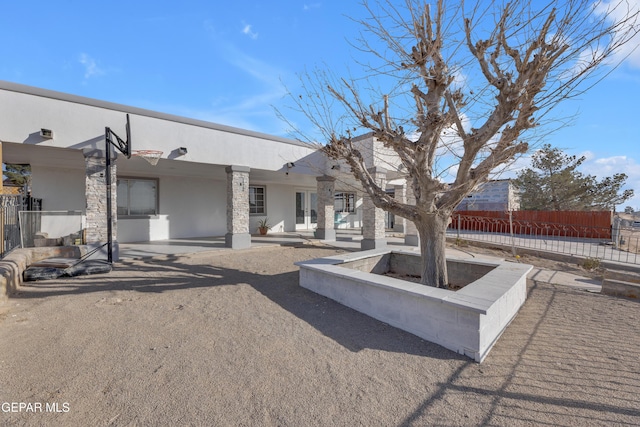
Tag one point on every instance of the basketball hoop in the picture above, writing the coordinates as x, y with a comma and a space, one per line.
151, 156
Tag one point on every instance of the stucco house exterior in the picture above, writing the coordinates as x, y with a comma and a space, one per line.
494, 195
211, 179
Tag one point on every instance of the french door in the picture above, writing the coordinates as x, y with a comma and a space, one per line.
306, 209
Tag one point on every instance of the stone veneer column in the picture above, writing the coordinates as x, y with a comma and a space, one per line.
411, 237
400, 194
96, 197
237, 236
373, 230
326, 201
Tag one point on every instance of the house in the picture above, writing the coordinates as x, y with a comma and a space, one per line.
495, 195
210, 180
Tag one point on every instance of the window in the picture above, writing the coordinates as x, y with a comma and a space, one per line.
137, 196
345, 202
257, 199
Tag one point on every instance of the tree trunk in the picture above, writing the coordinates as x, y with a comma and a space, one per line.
432, 230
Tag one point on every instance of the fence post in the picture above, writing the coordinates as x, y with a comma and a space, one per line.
513, 243
615, 235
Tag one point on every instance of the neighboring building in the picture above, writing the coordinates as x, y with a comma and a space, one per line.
496, 195
211, 180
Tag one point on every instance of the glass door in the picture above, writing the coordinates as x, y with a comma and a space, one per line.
300, 210
306, 209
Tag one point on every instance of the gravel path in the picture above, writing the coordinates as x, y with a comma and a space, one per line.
228, 338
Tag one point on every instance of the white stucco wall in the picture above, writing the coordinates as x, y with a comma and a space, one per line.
59, 189
280, 208
192, 186
196, 207
187, 208
79, 123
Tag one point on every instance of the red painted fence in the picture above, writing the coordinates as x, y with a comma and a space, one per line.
595, 225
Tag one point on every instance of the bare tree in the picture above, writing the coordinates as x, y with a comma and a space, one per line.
467, 83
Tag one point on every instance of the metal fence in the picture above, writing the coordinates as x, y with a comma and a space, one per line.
10, 226
612, 243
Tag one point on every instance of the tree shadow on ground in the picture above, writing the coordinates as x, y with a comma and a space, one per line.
568, 358
351, 329
564, 371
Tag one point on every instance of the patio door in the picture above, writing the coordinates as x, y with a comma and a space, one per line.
306, 209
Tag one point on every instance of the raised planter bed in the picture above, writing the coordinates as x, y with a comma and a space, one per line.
468, 321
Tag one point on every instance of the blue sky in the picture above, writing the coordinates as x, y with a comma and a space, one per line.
232, 64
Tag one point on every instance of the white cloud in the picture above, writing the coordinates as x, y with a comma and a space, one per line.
617, 10
249, 32
608, 166
246, 108
309, 6
91, 68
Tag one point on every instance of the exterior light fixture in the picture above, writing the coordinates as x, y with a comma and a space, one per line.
46, 133
289, 165
182, 151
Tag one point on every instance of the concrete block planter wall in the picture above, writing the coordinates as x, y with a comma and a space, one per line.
468, 321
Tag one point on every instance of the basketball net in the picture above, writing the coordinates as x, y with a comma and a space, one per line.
151, 156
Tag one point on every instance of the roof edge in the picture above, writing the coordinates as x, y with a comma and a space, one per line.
61, 96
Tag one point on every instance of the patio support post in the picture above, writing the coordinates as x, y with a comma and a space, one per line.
97, 227
373, 224
326, 216
400, 194
411, 237
237, 236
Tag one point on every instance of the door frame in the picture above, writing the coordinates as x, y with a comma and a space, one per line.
307, 224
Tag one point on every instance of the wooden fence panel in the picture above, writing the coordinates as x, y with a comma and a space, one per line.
595, 225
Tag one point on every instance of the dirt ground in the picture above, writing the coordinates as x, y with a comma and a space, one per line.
229, 338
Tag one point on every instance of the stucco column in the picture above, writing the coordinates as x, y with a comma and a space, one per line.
326, 217
411, 237
373, 230
96, 198
237, 236
400, 194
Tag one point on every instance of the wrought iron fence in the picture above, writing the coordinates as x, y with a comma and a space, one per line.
10, 206
613, 243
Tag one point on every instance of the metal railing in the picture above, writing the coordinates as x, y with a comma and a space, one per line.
605, 243
10, 206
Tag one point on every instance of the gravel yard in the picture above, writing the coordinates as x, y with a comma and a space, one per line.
229, 338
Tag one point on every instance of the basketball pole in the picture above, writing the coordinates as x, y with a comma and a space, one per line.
125, 148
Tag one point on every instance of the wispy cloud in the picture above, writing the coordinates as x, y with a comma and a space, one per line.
250, 109
608, 166
309, 6
616, 11
91, 68
247, 30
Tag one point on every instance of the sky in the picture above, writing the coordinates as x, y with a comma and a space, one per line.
234, 64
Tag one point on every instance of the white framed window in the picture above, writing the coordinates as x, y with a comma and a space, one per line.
257, 200
137, 196
345, 202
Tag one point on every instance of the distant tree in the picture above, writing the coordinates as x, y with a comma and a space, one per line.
465, 79
19, 175
628, 210
555, 183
